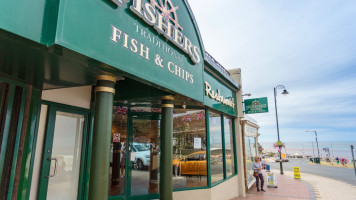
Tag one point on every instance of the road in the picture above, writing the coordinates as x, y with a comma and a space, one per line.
342, 174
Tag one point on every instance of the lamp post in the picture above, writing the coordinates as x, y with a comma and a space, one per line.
316, 140
313, 150
275, 106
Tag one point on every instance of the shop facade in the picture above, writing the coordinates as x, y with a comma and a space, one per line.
113, 100
250, 148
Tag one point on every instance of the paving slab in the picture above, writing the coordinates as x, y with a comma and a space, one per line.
288, 188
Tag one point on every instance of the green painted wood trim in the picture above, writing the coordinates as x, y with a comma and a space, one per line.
145, 197
234, 143
128, 165
66, 108
223, 144
50, 126
166, 166
207, 124
49, 25
83, 176
45, 166
17, 142
6, 129
119, 197
195, 188
2, 94
88, 160
12, 82
29, 146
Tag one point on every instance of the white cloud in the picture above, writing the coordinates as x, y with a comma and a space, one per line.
308, 46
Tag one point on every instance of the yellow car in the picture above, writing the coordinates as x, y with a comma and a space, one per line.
192, 164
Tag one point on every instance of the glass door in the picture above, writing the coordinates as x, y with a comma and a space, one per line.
62, 154
143, 156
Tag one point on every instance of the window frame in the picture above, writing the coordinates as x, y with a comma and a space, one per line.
235, 172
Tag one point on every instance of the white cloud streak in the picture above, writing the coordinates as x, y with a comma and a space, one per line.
308, 46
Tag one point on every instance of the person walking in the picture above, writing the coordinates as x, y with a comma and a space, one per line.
257, 169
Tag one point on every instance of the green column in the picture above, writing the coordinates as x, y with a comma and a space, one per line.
100, 155
166, 185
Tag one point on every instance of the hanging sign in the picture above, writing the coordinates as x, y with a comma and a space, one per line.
296, 172
259, 105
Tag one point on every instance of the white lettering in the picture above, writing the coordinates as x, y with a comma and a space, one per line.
216, 96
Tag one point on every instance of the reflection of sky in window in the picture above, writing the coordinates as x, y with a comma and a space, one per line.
187, 112
215, 132
227, 130
66, 131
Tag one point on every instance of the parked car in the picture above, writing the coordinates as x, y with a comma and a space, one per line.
142, 155
192, 164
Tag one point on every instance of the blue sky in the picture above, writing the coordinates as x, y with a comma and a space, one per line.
309, 46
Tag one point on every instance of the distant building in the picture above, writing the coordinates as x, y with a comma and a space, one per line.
248, 135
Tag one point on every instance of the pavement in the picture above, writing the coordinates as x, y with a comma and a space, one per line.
288, 188
328, 188
317, 182
342, 174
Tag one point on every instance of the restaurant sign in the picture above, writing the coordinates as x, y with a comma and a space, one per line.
152, 40
259, 105
218, 95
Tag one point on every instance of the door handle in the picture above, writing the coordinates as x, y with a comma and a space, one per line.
55, 167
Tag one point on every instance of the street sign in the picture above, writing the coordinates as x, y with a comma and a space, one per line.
296, 172
271, 180
259, 105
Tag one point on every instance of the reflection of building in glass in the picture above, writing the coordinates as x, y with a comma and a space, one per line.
250, 150
189, 149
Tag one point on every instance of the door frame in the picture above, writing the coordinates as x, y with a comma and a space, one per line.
131, 117
53, 107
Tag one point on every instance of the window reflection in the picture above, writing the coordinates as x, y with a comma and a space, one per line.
189, 149
250, 153
67, 145
118, 151
229, 150
144, 156
216, 154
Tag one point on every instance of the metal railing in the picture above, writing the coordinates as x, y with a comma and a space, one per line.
222, 69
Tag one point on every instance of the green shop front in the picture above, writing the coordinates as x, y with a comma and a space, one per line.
112, 100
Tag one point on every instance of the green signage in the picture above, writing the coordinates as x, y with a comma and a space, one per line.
259, 105
219, 96
156, 41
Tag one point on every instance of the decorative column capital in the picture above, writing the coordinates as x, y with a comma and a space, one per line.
105, 83
105, 78
167, 102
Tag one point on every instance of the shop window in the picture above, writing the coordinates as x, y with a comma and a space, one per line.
250, 153
229, 144
189, 149
216, 145
118, 151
